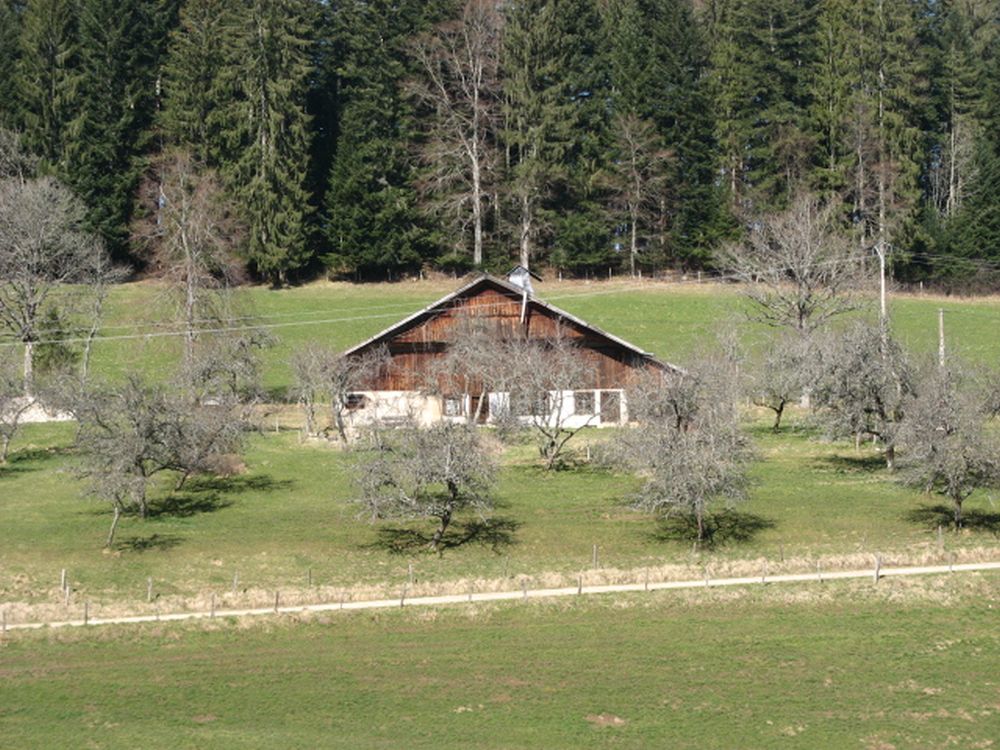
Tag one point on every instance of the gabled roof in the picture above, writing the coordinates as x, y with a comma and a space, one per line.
486, 279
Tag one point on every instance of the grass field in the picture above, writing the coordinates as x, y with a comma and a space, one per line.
670, 320
906, 664
290, 517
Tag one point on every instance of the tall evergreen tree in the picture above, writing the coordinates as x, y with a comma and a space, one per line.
120, 50
46, 76
264, 130
762, 50
658, 65
194, 99
373, 224
10, 30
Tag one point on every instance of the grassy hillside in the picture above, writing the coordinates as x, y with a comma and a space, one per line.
668, 319
290, 514
906, 664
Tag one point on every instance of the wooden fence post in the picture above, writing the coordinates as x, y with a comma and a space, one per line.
594, 557
878, 567
276, 596
62, 580
646, 582
402, 596
579, 584
86, 612
524, 588
149, 589
236, 581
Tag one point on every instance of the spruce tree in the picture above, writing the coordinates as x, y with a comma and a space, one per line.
373, 226
10, 29
264, 130
194, 100
46, 76
120, 50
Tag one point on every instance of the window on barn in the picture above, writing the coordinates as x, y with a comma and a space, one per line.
583, 403
531, 404
454, 406
356, 401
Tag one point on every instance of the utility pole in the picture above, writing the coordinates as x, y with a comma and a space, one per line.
941, 337
880, 251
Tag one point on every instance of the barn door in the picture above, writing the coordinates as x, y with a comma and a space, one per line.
611, 407
483, 411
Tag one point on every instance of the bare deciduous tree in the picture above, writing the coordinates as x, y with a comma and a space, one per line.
688, 446
540, 377
324, 376
428, 473
192, 237
637, 179
15, 161
798, 269
131, 432
460, 87
13, 405
782, 373
947, 448
864, 383
44, 252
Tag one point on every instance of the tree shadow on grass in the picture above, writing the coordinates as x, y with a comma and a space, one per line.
866, 463
236, 484
20, 461
933, 516
495, 533
723, 527
161, 542
187, 504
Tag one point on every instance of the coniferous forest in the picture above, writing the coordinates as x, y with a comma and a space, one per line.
373, 139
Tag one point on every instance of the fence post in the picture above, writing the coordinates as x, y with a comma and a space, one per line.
236, 581
309, 577
409, 573
579, 584
524, 589
878, 567
86, 612
402, 596
213, 606
276, 596
62, 580
149, 589
646, 581
819, 573
594, 557
763, 574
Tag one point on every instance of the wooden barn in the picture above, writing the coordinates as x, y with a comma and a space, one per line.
411, 385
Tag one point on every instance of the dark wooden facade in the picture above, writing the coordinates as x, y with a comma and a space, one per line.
416, 342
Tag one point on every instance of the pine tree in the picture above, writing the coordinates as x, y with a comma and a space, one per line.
761, 52
264, 130
10, 30
373, 224
120, 50
657, 62
193, 99
46, 77
554, 115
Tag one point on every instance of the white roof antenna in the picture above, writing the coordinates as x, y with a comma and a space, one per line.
520, 277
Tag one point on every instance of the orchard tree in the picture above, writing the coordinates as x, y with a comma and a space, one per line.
865, 383
798, 268
44, 249
947, 448
13, 406
688, 447
431, 473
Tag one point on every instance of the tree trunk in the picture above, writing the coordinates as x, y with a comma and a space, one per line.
29, 368
958, 512
4, 448
699, 515
525, 230
114, 526
890, 457
439, 534
477, 215
779, 410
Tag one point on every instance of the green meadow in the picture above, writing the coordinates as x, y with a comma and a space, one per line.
909, 663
